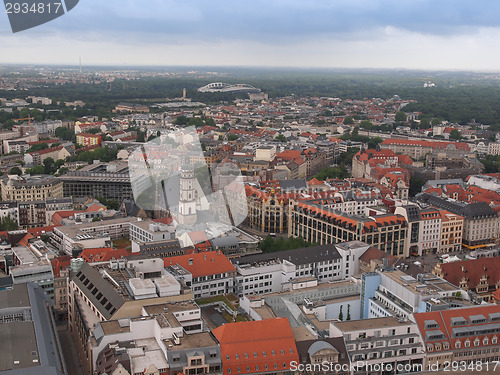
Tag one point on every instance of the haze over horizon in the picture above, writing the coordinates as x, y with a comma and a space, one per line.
378, 34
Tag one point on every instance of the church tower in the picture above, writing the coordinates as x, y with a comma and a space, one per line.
187, 196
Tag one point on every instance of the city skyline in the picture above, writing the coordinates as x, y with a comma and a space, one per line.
425, 35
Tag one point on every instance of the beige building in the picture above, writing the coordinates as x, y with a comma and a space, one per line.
494, 149
266, 153
30, 188
451, 231
319, 224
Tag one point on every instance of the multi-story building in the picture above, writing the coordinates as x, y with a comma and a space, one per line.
69, 238
274, 272
207, 274
32, 214
382, 345
480, 227
107, 180
494, 148
451, 231
29, 267
30, 188
418, 149
257, 347
395, 293
149, 231
30, 344
467, 336
9, 209
424, 228
116, 291
55, 153
479, 276
166, 339
267, 211
318, 224
85, 139
60, 270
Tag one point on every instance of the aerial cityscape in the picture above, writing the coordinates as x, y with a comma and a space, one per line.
165, 213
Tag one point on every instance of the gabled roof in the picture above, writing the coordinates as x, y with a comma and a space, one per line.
376, 254
264, 346
443, 326
103, 254
472, 271
88, 278
202, 264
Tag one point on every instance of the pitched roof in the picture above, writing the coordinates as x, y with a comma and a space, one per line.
376, 254
103, 254
60, 263
472, 271
202, 264
261, 346
41, 230
443, 326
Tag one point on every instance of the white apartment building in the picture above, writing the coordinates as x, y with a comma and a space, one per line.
274, 272
381, 345
207, 274
394, 293
90, 235
494, 148
424, 235
149, 231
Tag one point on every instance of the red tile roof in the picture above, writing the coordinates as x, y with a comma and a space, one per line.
439, 145
60, 263
103, 254
261, 346
472, 271
202, 264
163, 220
427, 325
41, 230
47, 150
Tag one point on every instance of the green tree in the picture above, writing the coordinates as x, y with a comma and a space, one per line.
374, 142
181, 120
455, 134
270, 244
348, 120
416, 184
49, 166
38, 147
332, 172
341, 314
65, 133
425, 123
140, 136
280, 138
37, 169
16, 170
232, 137
8, 224
400, 116
348, 312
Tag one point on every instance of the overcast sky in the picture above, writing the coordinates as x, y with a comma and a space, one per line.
414, 34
